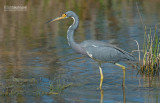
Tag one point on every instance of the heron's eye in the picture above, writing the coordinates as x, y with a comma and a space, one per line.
64, 15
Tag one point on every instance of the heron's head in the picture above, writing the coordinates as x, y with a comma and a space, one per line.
64, 16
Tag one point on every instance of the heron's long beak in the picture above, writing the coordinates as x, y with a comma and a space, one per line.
58, 18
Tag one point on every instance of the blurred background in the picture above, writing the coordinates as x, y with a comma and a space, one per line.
35, 57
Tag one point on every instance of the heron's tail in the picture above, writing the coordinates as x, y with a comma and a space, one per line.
130, 57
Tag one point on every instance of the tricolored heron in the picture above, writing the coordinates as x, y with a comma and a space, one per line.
97, 50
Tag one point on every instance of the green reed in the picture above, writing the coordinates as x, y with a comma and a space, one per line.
151, 58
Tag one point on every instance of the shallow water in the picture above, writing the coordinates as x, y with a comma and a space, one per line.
38, 65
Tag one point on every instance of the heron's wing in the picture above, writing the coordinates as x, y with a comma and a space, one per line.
103, 53
108, 53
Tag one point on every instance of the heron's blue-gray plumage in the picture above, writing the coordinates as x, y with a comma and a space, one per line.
97, 50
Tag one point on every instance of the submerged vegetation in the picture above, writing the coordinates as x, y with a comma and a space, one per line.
57, 89
18, 86
151, 59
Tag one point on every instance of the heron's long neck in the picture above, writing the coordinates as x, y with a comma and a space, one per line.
71, 29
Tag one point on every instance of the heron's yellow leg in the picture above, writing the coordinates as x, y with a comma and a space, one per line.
102, 94
101, 73
123, 67
124, 95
